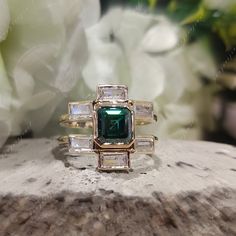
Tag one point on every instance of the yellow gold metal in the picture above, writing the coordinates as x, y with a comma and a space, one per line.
63, 140
144, 121
66, 121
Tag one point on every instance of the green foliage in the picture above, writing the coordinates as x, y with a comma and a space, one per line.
193, 14
199, 15
180, 10
225, 26
199, 21
214, 22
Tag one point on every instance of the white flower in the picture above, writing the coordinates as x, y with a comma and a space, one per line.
43, 48
147, 53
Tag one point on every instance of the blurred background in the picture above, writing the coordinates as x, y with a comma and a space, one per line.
180, 54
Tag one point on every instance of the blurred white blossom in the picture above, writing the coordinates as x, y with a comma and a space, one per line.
148, 53
43, 48
50, 49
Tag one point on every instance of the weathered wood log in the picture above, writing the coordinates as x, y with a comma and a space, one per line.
186, 188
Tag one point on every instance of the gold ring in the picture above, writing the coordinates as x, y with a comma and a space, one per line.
112, 118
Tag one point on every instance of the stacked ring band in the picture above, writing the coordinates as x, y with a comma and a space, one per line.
112, 118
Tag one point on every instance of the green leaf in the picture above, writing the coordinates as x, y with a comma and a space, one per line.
227, 33
197, 16
172, 6
225, 26
152, 3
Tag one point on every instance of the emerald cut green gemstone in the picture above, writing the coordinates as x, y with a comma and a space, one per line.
114, 125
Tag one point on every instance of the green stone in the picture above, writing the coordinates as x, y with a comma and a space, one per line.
114, 125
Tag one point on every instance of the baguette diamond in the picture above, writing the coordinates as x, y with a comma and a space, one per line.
109, 93
80, 110
80, 143
145, 144
114, 160
143, 111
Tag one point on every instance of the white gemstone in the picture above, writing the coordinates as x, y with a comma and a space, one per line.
114, 160
79, 143
112, 92
143, 110
74, 109
145, 144
77, 109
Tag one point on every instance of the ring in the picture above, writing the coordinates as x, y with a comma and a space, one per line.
112, 118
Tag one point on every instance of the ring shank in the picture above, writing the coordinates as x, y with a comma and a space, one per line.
77, 143
65, 121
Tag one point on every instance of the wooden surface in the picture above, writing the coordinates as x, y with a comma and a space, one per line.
186, 188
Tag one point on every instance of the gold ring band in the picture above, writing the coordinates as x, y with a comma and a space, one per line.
66, 121
77, 143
